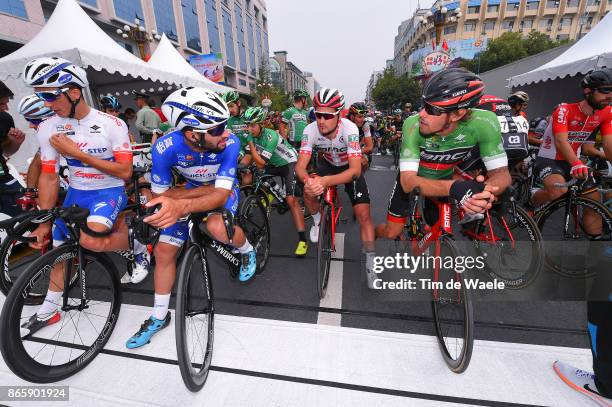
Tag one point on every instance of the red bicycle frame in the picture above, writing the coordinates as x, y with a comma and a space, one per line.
330, 197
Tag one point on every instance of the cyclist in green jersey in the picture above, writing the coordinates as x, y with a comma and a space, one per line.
272, 152
236, 125
439, 138
295, 119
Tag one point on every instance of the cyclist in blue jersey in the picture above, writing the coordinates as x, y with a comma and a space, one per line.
206, 155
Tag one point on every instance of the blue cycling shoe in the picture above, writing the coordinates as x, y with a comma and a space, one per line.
248, 267
150, 327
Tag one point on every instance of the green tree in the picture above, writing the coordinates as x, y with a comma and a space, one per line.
392, 92
265, 88
509, 47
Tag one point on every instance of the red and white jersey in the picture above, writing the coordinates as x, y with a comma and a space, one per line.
336, 151
568, 118
98, 134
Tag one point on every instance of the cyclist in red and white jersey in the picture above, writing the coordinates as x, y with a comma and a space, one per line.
97, 150
570, 126
338, 140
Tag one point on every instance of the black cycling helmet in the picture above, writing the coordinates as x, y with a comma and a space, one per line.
453, 89
110, 102
597, 78
358, 108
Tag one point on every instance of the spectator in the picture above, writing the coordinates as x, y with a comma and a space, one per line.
147, 121
157, 110
10, 141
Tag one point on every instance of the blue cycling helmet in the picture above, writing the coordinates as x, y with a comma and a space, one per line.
110, 102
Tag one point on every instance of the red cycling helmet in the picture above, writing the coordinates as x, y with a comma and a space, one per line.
329, 97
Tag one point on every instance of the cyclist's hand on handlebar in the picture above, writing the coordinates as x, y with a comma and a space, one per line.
579, 170
314, 186
41, 233
167, 215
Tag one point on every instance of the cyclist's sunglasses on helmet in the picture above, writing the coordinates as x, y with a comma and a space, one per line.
433, 110
325, 115
214, 131
51, 95
605, 90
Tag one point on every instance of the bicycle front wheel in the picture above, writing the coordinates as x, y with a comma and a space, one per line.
82, 326
194, 324
516, 254
255, 222
570, 252
324, 250
452, 310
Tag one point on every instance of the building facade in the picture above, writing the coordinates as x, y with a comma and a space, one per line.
376, 75
474, 22
312, 84
285, 74
237, 29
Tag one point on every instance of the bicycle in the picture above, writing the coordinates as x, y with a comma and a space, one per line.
194, 291
566, 256
458, 327
89, 285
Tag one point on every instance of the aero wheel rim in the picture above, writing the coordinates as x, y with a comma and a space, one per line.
198, 319
80, 329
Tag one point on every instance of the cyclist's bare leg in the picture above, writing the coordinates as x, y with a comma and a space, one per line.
296, 212
389, 230
362, 213
549, 192
312, 203
592, 220
216, 228
165, 267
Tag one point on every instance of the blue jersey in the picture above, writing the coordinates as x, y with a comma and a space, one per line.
209, 167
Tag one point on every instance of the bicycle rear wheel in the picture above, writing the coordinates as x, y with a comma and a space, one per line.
58, 351
254, 221
194, 326
453, 313
324, 250
517, 255
571, 255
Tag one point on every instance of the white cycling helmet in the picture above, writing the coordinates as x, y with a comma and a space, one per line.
32, 107
196, 108
54, 72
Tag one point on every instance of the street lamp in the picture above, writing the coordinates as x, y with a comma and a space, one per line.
139, 35
439, 18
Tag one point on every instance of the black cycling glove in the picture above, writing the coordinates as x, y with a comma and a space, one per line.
464, 190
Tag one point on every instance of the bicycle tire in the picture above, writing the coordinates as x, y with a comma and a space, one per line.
257, 231
194, 374
562, 268
324, 250
522, 220
456, 361
15, 355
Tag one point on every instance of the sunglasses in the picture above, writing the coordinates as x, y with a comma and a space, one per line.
605, 91
35, 122
326, 116
215, 131
51, 95
433, 110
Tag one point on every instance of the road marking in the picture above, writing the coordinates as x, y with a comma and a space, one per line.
333, 298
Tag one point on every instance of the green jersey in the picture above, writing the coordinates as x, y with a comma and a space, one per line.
296, 120
237, 126
435, 157
274, 149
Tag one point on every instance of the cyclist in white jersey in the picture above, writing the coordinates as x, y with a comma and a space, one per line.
97, 149
338, 140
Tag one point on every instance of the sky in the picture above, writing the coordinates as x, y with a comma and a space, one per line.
340, 41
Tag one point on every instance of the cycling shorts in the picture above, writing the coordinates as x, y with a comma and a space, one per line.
104, 206
178, 233
544, 167
400, 203
360, 196
293, 186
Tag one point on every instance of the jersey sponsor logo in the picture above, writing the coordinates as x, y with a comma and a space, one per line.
460, 137
354, 145
96, 150
191, 122
63, 127
461, 92
65, 78
514, 140
95, 129
444, 156
99, 206
88, 175
162, 145
156, 178
332, 149
561, 114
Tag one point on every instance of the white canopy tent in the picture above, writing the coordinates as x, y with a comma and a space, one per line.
71, 34
591, 51
167, 58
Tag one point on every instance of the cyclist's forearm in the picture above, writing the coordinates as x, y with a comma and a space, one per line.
34, 172
499, 177
204, 203
119, 169
565, 149
47, 193
534, 141
195, 193
607, 146
260, 162
428, 187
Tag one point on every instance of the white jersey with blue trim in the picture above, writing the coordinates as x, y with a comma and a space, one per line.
198, 168
98, 134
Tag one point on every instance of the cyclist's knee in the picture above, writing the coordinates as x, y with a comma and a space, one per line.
216, 227
164, 253
95, 244
362, 213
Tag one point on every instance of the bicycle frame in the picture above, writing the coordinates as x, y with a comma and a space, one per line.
222, 250
331, 198
442, 226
